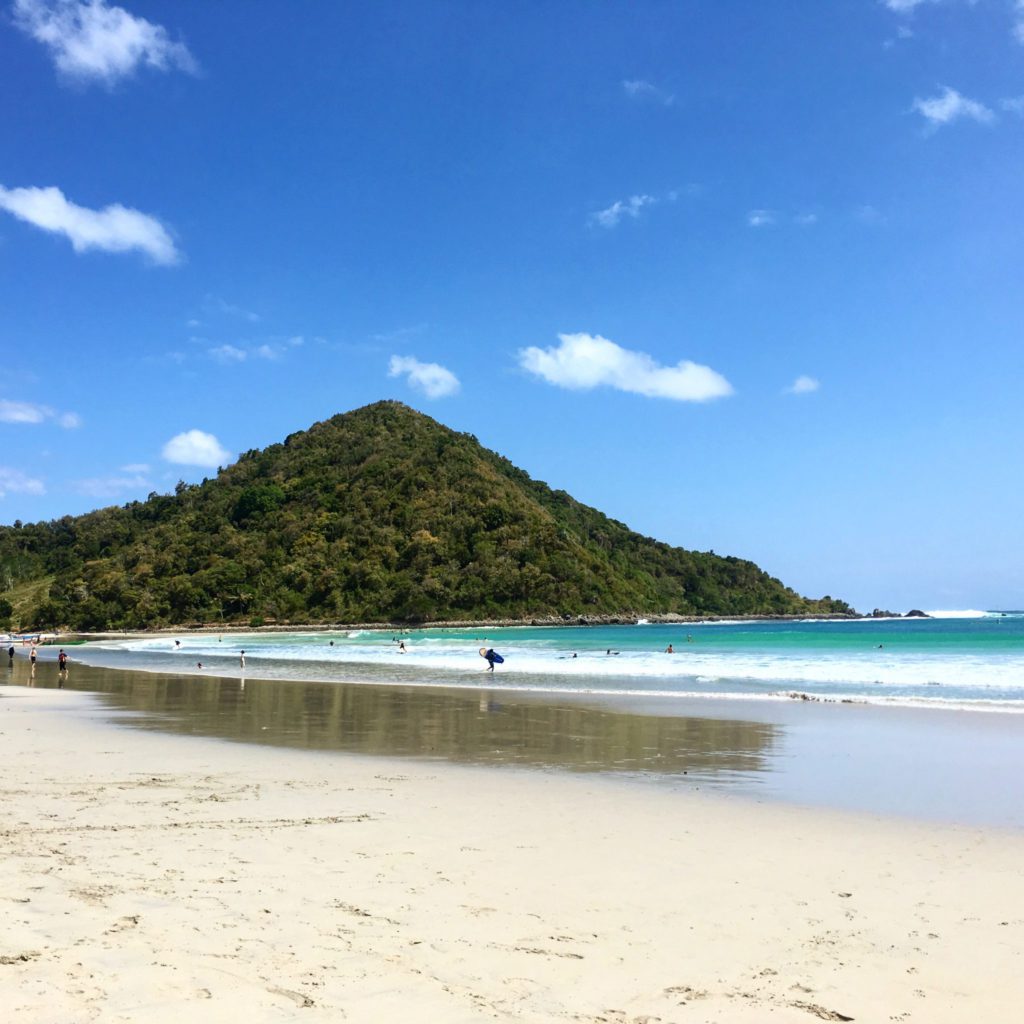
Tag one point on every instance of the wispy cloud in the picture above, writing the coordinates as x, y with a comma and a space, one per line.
868, 214
581, 362
93, 40
640, 89
196, 448
1013, 104
136, 467
803, 385
271, 350
215, 304
115, 228
950, 106
227, 354
110, 486
29, 412
904, 6
1018, 21
399, 334
434, 380
631, 207
806, 220
14, 481
761, 218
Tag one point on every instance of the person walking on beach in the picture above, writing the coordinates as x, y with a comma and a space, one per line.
10, 654
492, 656
32, 656
62, 661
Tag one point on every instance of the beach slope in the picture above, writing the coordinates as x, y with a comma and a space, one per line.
156, 878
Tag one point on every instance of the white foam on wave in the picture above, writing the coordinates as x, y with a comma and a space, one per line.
1002, 671
958, 613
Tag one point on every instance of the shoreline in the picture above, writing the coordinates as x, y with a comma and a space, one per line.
163, 875
553, 622
470, 679
904, 762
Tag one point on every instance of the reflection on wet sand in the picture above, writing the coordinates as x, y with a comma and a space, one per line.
457, 725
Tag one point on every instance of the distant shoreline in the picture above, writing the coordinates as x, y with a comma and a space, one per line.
666, 619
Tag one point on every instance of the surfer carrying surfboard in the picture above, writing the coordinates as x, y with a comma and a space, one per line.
493, 658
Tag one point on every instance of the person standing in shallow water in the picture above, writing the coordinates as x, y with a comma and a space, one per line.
241, 660
62, 661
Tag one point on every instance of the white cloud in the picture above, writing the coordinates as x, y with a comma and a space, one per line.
630, 207
868, 214
115, 228
583, 361
904, 6
110, 486
29, 412
805, 220
1018, 21
1013, 104
135, 468
433, 380
228, 354
215, 304
93, 40
21, 412
641, 89
803, 385
761, 218
951, 106
267, 352
14, 481
195, 448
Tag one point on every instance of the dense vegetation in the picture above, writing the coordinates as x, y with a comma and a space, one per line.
376, 515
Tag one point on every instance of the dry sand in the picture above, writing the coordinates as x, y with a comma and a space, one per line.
152, 878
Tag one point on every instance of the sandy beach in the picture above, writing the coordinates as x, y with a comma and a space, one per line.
151, 877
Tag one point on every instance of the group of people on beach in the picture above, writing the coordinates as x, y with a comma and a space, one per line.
33, 657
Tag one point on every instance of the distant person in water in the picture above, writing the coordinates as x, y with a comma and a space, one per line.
493, 658
32, 654
10, 653
401, 646
199, 664
670, 649
177, 644
241, 660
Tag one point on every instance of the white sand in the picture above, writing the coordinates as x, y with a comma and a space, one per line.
157, 878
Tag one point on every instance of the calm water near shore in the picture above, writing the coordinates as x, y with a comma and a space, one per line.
953, 766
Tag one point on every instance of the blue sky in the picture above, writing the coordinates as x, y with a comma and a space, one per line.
745, 276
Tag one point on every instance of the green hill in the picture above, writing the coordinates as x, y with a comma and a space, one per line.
377, 515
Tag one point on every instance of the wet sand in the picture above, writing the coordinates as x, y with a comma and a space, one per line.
151, 877
946, 766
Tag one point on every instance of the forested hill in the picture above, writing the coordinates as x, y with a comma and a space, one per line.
377, 515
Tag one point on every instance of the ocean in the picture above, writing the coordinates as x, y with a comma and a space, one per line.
971, 660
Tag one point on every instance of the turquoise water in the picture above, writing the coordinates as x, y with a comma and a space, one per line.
974, 661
